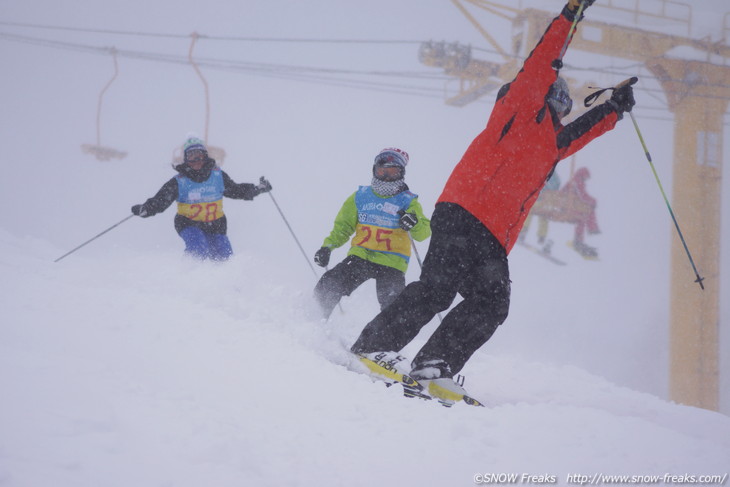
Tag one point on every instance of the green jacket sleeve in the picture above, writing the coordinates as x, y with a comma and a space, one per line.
422, 230
345, 223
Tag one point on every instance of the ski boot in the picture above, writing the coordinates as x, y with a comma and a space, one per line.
586, 251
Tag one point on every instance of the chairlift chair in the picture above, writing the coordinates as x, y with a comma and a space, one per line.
217, 153
99, 151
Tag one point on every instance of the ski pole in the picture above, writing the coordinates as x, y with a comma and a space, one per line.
93, 238
558, 63
420, 263
415, 251
299, 244
293, 234
666, 200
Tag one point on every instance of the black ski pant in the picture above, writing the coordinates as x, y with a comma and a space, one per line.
349, 274
465, 258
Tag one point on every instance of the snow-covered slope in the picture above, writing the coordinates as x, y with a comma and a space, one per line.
151, 370
124, 365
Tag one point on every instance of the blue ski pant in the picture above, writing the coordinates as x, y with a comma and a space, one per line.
204, 245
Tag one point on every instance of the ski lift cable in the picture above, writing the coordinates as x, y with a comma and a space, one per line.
252, 68
298, 73
250, 39
212, 62
157, 56
288, 40
300, 40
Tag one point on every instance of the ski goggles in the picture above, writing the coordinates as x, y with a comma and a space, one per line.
389, 157
195, 155
388, 171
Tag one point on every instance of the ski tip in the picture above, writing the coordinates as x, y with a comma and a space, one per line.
473, 402
448, 395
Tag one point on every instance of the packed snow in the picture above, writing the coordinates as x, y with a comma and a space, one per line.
154, 370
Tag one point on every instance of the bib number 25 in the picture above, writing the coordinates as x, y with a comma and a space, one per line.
382, 236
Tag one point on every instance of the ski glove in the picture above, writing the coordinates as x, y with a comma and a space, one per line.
140, 210
264, 186
322, 256
407, 220
574, 4
623, 98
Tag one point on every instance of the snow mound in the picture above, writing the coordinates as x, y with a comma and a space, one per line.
153, 370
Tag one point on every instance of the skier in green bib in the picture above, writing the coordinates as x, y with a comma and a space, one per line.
381, 216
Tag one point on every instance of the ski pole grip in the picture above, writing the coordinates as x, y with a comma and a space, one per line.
629, 81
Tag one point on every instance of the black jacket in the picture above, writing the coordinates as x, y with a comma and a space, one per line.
169, 191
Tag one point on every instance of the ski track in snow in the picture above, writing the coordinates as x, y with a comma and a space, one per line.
154, 370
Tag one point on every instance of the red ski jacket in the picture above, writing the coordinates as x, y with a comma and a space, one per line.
502, 172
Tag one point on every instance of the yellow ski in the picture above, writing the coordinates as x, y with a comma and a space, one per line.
449, 392
386, 369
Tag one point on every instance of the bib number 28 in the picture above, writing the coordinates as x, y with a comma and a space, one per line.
210, 209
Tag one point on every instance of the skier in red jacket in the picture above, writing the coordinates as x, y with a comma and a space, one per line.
481, 210
585, 215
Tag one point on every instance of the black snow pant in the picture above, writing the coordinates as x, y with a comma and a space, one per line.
349, 274
463, 257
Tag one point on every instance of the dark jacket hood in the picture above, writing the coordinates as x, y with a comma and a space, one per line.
198, 176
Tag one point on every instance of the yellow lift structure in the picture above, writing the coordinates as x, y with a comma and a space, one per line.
697, 92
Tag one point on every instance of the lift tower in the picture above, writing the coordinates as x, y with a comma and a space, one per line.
697, 92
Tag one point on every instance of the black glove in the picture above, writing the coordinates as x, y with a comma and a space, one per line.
574, 4
264, 186
140, 210
322, 256
623, 96
407, 220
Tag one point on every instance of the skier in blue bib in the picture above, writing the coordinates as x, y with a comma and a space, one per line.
199, 189
380, 216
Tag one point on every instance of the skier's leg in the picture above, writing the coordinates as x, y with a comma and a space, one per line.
196, 243
340, 281
592, 223
579, 245
389, 283
472, 322
578, 239
220, 246
399, 323
542, 229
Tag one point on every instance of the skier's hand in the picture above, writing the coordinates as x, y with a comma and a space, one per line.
407, 220
264, 186
574, 4
140, 210
623, 96
322, 256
